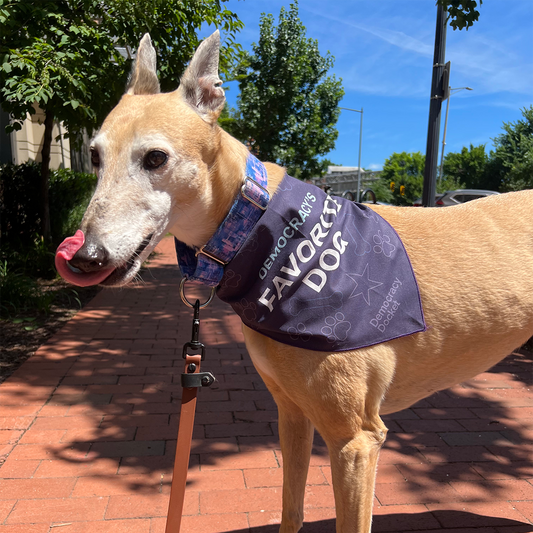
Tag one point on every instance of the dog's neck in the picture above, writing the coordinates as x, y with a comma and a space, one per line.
227, 172
231, 162
242, 191
226, 175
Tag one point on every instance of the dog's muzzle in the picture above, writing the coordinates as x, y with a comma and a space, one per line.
94, 271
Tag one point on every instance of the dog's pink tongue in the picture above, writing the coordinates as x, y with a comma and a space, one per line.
65, 252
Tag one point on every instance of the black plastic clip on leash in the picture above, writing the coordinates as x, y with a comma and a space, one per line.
191, 380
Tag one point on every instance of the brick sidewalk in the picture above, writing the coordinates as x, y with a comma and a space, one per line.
88, 429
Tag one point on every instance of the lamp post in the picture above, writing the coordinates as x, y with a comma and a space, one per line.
360, 145
435, 104
446, 124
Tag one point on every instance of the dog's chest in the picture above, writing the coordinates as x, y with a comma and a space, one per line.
322, 273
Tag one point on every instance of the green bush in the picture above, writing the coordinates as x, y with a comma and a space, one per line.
70, 194
19, 203
33, 258
21, 292
22, 246
20, 198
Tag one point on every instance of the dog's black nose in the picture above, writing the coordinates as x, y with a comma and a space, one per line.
91, 257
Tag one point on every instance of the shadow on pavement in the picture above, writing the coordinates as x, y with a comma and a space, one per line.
404, 523
116, 369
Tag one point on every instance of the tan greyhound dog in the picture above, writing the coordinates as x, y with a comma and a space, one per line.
164, 165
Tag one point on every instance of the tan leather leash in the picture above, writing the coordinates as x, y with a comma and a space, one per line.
191, 380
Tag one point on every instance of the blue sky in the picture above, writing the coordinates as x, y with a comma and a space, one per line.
383, 52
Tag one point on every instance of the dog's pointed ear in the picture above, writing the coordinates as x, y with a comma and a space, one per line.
143, 77
200, 85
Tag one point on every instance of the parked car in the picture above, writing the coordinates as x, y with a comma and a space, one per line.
460, 196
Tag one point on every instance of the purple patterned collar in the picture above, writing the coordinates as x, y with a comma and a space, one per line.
206, 264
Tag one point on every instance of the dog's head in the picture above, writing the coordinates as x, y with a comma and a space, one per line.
154, 157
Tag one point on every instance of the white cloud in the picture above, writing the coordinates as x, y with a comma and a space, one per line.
393, 55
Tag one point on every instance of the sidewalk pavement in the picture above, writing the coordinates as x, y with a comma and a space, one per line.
89, 425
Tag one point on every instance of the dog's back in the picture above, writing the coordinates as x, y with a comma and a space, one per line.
474, 266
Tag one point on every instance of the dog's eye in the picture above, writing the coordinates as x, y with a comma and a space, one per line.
95, 157
155, 159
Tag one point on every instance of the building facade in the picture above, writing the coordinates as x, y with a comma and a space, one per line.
342, 181
26, 144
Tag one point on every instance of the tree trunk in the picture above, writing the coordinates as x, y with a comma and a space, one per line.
45, 176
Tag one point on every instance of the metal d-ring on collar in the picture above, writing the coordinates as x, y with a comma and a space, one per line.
187, 302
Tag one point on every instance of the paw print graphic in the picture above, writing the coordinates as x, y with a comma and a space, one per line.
248, 309
299, 333
231, 279
383, 244
336, 328
285, 186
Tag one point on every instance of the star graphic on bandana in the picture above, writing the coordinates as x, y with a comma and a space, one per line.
363, 285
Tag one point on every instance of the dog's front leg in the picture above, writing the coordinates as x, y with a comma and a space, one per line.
296, 440
353, 469
348, 389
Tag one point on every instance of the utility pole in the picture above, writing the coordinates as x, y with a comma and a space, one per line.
438, 94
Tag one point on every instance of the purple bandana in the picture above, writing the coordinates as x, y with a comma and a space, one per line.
322, 273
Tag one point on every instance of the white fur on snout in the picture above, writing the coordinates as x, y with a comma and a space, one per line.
126, 207
132, 202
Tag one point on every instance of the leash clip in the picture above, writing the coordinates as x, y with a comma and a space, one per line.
194, 345
192, 377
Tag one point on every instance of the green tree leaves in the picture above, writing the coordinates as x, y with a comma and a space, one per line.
404, 170
509, 167
403, 173
461, 13
512, 160
288, 106
469, 167
54, 54
63, 55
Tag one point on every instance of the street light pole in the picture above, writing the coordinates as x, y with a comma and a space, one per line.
446, 124
435, 102
360, 146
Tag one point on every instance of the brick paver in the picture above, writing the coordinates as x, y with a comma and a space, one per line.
88, 428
